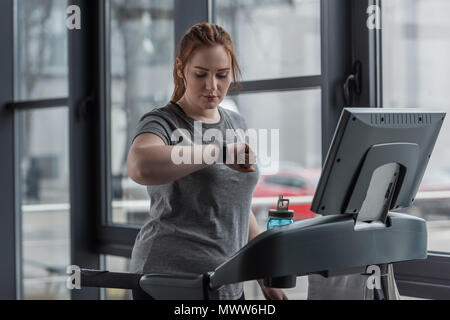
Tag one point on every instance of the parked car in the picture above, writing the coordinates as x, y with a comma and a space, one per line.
290, 182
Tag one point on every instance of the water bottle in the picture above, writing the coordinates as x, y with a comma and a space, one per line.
281, 215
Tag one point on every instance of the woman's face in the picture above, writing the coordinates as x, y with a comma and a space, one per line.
208, 76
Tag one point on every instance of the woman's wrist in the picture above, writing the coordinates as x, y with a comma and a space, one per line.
224, 153
220, 154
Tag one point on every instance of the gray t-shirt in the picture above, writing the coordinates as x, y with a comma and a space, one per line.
201, 219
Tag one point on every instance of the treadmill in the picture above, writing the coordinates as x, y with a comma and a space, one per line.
373, 168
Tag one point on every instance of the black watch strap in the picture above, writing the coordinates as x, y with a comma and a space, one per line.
224, 154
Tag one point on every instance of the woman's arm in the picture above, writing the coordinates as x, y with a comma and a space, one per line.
253, 229
152, 162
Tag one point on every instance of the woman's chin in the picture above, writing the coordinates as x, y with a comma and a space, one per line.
210, 104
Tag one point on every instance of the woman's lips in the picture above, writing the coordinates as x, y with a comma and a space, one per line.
211, 98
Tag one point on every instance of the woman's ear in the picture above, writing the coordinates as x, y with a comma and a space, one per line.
179, 67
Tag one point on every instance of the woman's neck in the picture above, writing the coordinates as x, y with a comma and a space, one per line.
207, 115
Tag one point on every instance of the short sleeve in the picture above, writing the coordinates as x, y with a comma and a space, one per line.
238, 120
243, 123
154, 123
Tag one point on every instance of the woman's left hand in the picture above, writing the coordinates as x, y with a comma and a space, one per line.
272, 293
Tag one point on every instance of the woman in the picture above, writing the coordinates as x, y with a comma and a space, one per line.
200, 210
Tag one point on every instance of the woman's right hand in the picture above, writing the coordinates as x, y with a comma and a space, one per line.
240, 157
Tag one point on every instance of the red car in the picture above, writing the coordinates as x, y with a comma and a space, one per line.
290, 182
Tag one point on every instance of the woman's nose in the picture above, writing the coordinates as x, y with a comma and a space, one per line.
211, 84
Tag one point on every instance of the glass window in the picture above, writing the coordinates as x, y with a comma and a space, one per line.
278, 180
297, 183
42, 65
273, 38
44, 217
286, 181
295, 115
142, 56
415, 50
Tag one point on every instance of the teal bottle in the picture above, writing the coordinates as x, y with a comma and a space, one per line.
280, 216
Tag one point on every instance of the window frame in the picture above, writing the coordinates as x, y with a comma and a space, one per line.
9, 277
427, 278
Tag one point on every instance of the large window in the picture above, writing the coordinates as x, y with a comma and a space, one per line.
415, 50
42, 49
273, 38
294, 55
43, 150
45, 220
141, 55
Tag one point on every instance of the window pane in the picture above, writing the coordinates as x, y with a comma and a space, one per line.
415, 64
44, 193
142, 56
297, 117
42, 67
273, 38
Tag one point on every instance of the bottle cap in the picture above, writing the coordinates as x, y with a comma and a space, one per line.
282, 211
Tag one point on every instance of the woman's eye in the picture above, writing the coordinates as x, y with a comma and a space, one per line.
221, 76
